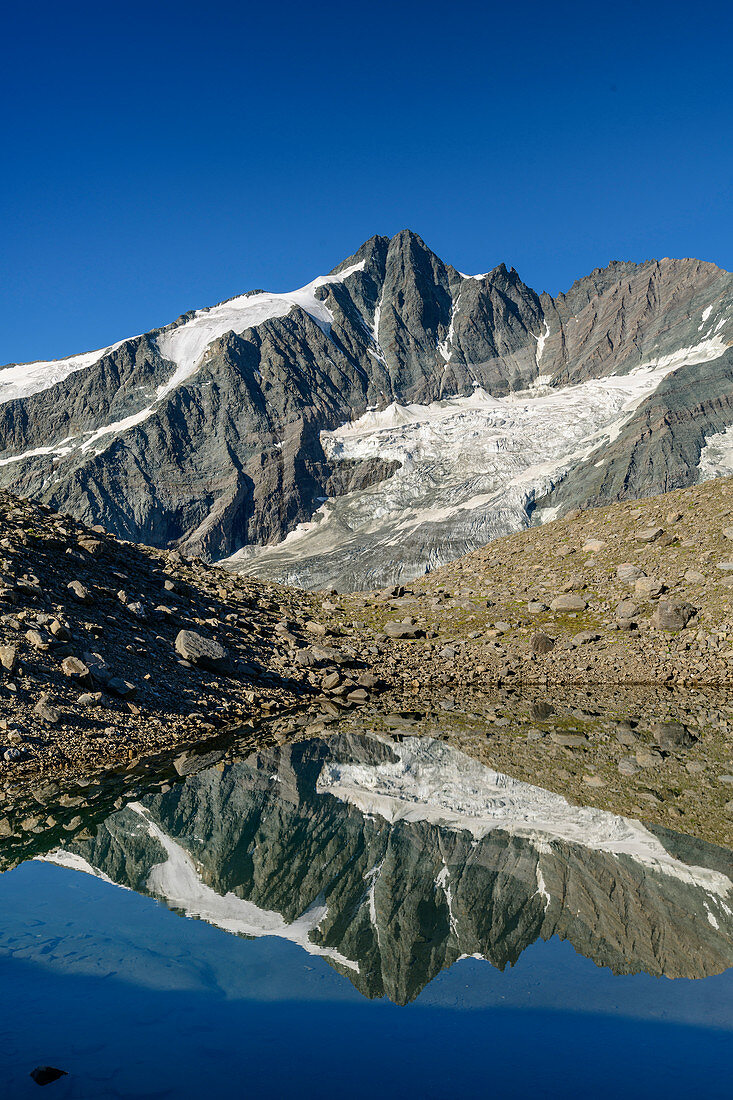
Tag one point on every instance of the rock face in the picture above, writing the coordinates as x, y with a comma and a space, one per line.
207, 434
394, 860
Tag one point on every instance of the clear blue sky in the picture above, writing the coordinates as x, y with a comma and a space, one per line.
162, 156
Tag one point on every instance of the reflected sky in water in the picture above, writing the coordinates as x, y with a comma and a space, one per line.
133, 999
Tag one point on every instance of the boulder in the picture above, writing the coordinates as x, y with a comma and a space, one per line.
14, 754
569, 740
568, 602
673, 615
648, 588
629, 573
122, 688
90, 699
137, 609
584, 637
672, 736
648, 757
8, 656
45, 1075
98, 667
81, 592
201, 651
92, 546
75, 669
44, 710
541, 643
189, 763
649, 534
626, 609
402, 630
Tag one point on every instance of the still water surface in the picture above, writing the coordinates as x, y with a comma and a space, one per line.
362, 917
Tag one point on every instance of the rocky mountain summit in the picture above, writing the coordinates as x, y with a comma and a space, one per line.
408, 412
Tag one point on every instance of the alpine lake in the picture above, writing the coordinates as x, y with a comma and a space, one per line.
383, 904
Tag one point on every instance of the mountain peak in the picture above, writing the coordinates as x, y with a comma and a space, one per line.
251, 417
373, 251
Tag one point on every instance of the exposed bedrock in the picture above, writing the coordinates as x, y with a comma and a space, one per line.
206, 434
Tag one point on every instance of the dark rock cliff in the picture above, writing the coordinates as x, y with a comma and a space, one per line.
229, 455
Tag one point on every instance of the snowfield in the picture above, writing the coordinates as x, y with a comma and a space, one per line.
185, 346
716, 457
24, 379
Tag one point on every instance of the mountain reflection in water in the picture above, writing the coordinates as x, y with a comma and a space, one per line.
395, 858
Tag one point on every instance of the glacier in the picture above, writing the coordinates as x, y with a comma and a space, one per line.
470, 470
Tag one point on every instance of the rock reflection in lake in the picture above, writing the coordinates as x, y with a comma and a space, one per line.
395, 857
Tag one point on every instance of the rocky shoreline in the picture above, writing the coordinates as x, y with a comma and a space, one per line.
113, 653
660, 756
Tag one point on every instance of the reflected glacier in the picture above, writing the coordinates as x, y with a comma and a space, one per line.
393, 859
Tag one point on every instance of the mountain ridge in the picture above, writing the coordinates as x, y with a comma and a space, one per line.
206, 434
187, 314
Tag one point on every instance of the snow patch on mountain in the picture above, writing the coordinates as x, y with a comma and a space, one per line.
24, 379
445, 347
74, 862
179, 885
541, 341
65, 447
434, 782
716, 457
186, 345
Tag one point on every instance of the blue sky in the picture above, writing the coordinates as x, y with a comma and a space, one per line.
159, 157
